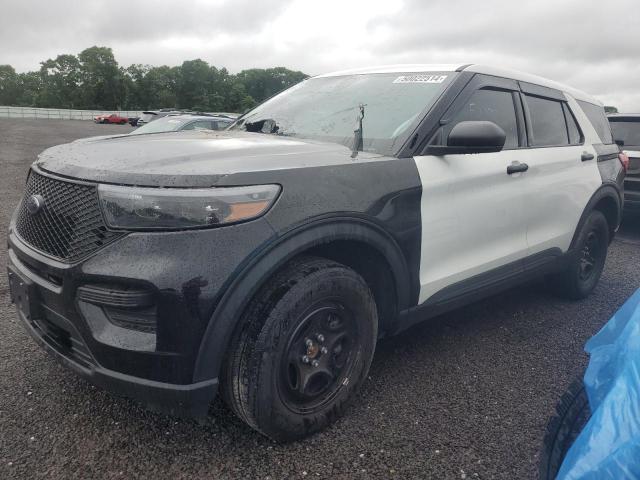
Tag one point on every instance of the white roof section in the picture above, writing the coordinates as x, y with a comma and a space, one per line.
403, 68
484, 69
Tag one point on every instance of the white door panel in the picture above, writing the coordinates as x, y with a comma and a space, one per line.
559, 186
472, 217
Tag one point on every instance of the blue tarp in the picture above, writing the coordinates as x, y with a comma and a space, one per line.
609, 446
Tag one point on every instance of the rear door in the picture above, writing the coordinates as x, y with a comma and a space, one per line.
473, 227
563, 172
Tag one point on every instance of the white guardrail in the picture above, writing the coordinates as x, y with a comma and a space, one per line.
59, 113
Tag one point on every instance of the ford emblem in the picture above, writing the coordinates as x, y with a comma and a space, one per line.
35, 204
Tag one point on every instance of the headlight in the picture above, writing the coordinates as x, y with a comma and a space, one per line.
137, 208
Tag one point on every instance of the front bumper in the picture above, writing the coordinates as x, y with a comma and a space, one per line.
179, 400
185, 274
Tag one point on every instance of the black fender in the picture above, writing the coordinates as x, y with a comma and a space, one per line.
268, 259
607, 190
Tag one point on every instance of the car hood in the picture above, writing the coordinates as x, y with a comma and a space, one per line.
188, 158
99, 137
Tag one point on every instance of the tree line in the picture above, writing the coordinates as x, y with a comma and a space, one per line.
93, 80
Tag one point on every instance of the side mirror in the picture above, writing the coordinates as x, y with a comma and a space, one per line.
620, 143
471, 137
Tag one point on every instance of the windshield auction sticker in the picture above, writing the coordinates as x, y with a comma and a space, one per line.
419, 78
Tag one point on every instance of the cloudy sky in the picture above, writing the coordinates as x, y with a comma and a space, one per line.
593, 45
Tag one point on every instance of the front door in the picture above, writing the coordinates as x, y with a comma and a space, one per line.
472, 209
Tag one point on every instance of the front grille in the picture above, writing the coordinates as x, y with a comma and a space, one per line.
69, 226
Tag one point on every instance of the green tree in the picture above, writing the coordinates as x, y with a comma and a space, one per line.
93, 79
133, 78
60, 82
194, 85
101, 80
159, 86
261, 84
29, 87
9, 85
238, 100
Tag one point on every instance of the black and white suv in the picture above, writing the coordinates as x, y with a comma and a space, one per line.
626, 132
266, 260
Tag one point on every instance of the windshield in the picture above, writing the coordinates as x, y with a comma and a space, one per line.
627, 131
327, 109
164, 124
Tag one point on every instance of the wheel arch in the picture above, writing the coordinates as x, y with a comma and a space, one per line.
607, 200
352, 238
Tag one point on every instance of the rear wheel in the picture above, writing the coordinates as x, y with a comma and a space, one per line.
304, 347
585, 267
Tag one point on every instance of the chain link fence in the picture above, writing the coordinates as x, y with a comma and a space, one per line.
59, 113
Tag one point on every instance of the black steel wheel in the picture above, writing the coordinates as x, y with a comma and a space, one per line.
591, 255
587, 260
302, 350
319, 356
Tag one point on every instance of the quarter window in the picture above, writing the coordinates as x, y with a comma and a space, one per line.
490, 105
548, 125
575, 137
598, 119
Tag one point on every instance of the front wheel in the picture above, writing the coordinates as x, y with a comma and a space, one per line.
303, 349
585, 267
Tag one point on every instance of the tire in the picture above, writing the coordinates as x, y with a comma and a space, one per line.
585, 267
270, 378
572, 414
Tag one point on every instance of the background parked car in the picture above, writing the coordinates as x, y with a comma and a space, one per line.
150, 116
174, 123
113, 118
626, 132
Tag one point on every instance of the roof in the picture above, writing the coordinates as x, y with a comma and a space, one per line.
403, 68
624, 116
195, 116
484, 69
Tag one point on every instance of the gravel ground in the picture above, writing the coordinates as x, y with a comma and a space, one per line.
466, 395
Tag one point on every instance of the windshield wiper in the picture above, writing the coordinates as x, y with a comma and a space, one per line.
358, 138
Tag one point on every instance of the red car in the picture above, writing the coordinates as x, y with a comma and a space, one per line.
113, 118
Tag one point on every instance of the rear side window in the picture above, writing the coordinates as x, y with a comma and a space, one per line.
548, 125
598, 119
491, 105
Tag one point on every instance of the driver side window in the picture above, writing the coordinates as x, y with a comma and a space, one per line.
490, 105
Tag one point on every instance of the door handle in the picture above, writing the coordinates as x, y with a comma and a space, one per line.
517, 167
586, 156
